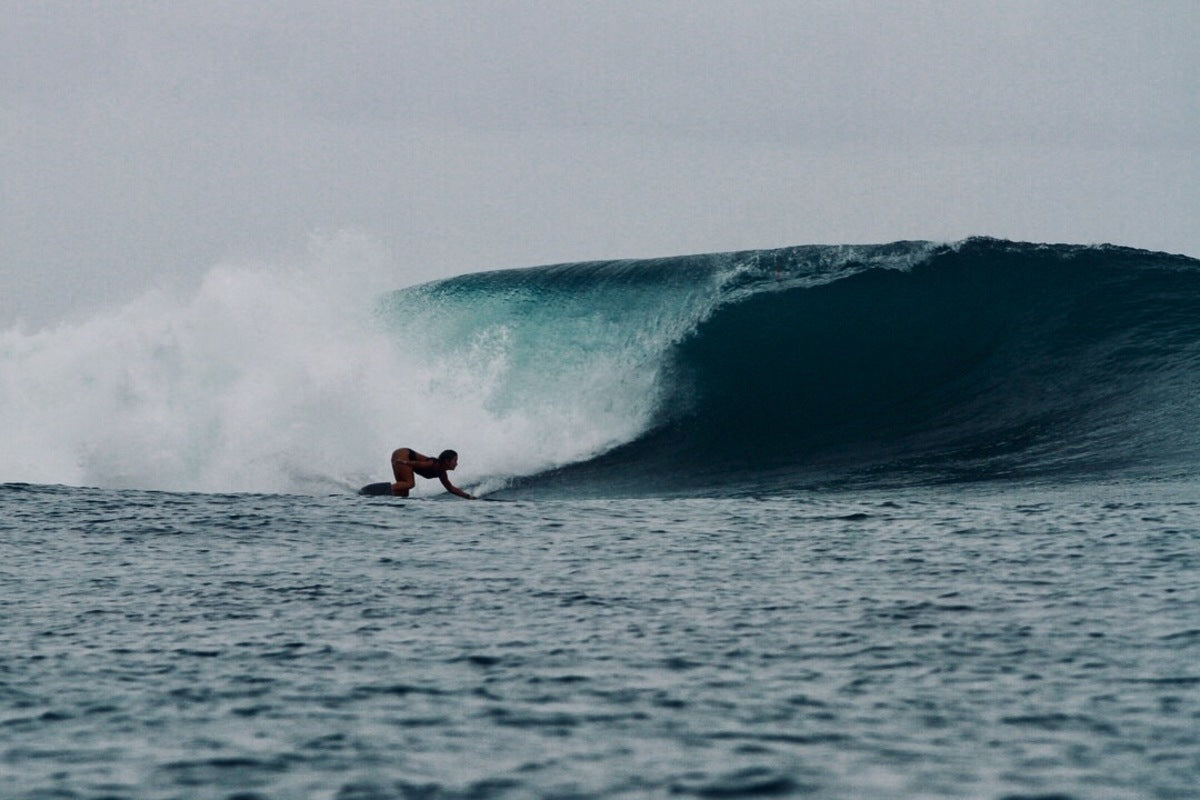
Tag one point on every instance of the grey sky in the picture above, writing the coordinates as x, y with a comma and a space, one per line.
143, 142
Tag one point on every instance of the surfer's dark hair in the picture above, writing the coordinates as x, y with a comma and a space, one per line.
447, 455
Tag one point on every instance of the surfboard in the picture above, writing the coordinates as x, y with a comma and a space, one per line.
385, 489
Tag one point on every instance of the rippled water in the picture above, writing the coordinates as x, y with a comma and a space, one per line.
999, 643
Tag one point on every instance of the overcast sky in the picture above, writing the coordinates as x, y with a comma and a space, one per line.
143, 142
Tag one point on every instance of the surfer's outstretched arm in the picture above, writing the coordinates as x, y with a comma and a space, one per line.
450, 487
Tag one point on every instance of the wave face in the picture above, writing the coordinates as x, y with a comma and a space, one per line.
730, 374
914, 363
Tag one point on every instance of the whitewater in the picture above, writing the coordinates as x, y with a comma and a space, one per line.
907, 520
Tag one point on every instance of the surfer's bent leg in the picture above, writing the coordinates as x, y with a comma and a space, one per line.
405, 479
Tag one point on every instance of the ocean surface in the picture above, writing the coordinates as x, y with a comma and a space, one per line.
900, 521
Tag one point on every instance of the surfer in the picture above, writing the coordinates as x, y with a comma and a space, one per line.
407, 463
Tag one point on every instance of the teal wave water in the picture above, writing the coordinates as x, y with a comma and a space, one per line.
826, 366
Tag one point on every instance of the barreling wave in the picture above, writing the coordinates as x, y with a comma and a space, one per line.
730, 373
873, 365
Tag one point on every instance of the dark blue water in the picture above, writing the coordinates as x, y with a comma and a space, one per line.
986, 642
897, 521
